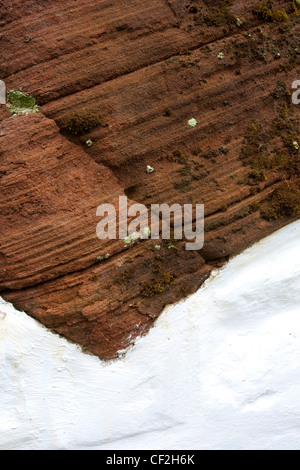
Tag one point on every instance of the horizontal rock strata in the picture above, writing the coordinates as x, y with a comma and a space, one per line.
146, 68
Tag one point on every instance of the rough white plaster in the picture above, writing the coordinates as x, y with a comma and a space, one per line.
219, 370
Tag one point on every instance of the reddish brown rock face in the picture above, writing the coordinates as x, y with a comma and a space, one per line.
146, 68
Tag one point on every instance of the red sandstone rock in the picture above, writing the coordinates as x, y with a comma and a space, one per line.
129, 62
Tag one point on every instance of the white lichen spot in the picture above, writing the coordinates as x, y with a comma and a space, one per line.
296, 145
149, 169
135, 236
146, 231
221, 55
192, 122
89, 142
101, 258
171, 245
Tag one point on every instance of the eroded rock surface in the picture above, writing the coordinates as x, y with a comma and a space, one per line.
146, 68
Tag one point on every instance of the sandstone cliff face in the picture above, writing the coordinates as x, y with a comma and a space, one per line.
129, 62
219, 370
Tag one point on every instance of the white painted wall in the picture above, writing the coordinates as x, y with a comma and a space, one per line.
220, 370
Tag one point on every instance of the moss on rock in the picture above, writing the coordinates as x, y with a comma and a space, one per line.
283, 202
80, 123
20, 103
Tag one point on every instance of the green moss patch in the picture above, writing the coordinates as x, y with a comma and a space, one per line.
257, 175
20, 103
283, 202
259, 151
80, 123
184, 185
267, 12
177, 156
221, 16
158, 286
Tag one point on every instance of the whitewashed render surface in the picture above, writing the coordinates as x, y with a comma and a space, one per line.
220, 370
